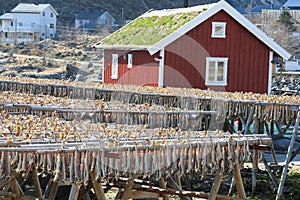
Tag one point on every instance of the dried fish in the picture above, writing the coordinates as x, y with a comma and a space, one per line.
190, 157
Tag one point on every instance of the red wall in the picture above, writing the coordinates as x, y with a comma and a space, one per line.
248, 61
144, 69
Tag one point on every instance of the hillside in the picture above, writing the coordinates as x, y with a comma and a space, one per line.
131, 8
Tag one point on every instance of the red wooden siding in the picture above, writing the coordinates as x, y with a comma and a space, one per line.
144, 69
248, 63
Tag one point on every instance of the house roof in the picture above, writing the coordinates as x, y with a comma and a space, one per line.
90, 14
161, 29
31, 8
292, 3
9, 16
259, 8
242, 10
152, 26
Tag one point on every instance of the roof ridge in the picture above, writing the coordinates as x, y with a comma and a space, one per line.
173, 11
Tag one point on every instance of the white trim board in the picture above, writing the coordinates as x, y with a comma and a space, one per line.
221, 5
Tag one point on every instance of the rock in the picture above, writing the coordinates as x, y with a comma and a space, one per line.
21, 45
58, 55
71, 70
81, 78
79, 53
25, 51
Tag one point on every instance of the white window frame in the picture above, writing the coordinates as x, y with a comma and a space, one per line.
216, 60
114, 66
218, 24
129, 64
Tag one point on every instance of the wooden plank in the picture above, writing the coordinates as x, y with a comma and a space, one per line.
175, 192
144, 195
215, 187
239, 181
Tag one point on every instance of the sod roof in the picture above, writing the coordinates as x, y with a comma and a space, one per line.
152, 27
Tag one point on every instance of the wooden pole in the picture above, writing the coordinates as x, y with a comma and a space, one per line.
232, 184
175, 186
271, 145
127, 191
177, 179
254, 170
271, 175
215, 187
97, 186
14, 185
36, 181
288, 156
74, 191
239, 181
4, 182
53, 191
162, 184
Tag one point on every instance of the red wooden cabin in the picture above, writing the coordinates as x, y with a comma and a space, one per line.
209, 46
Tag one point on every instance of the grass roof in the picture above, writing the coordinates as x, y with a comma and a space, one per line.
150, 28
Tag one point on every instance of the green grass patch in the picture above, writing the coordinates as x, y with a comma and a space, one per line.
148, 30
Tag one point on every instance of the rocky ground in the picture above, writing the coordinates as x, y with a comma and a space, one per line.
71, 59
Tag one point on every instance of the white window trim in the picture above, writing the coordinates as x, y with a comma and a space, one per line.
114, 66
129, 64
213, 32
216, 60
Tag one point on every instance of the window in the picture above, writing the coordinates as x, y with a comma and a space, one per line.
11, 23
51, 25
216, 71
129, 65
43, 13
51, 14
218, 30
114, 66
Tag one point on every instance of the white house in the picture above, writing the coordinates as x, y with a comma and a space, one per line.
28, 22
90, 21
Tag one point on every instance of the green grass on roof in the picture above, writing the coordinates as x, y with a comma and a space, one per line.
149, 30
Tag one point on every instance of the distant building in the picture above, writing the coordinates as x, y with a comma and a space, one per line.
90, 21
292, 4
28, 22
257, 10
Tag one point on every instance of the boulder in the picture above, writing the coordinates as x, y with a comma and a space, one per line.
71, 70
